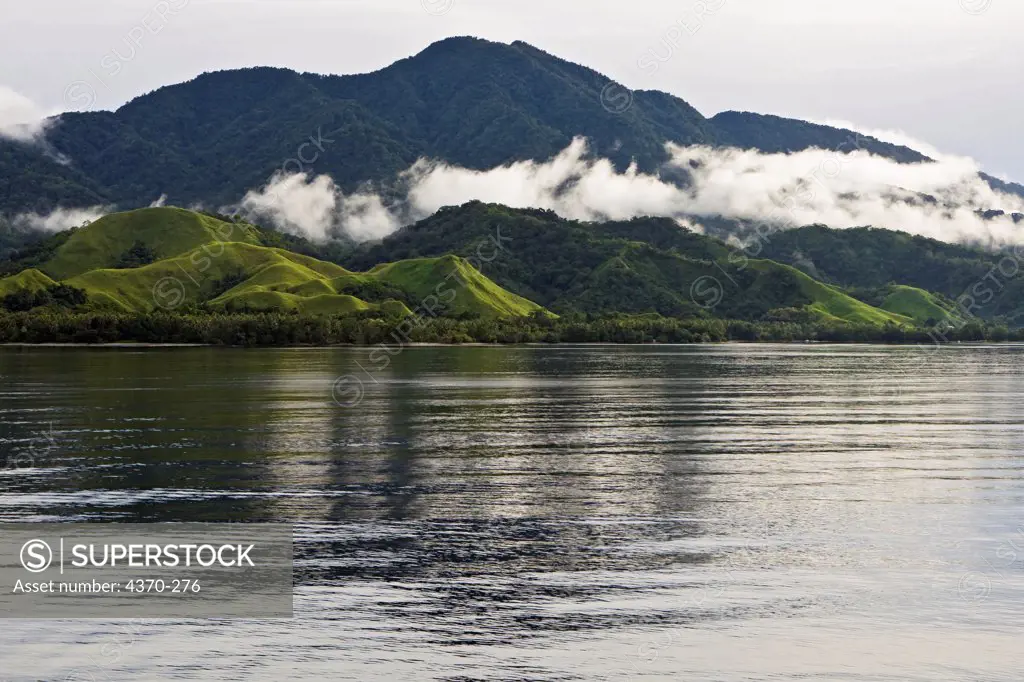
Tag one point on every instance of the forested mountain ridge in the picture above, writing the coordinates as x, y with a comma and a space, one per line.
466, 101
778, 135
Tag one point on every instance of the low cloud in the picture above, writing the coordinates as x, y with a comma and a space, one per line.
316, 209
20, 118
59, 219
571, 184
935, 199
939, 199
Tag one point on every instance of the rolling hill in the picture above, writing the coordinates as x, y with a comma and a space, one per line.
198, 260
636, 266
480, 261
922, 306
985, 283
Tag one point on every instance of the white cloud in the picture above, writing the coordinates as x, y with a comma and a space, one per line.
897, 137
365, 217
849, 190
315, 208
571, 184
937, 199
296, 203
60, 219
20, 118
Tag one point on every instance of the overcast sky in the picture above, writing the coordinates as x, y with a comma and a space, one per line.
946, 71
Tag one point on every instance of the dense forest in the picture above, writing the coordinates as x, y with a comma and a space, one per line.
277, 329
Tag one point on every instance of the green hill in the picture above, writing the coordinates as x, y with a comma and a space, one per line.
165, 232
636, 266
532, 258
873, 259
830, 302
30, 280
310, 286
922, 306
193, 266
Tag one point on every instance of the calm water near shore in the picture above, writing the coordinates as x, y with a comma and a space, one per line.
528, 513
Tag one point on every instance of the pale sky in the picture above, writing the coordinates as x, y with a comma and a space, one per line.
945, 71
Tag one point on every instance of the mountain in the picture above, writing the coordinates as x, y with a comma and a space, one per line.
466, 101
777, 135
638, 266
170, 258
33, 179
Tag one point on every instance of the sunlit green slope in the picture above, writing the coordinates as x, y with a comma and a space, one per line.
27, 280
167, 232
202, 261
923, 306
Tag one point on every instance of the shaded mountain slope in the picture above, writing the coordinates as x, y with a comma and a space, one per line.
466, 101
986, 284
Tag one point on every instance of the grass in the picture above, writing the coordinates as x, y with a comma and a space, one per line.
31, 280
168, 232
748, 288
923, 307
196, 263
455, 283
831, 303
205, 261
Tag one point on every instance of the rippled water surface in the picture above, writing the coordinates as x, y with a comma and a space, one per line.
705, 513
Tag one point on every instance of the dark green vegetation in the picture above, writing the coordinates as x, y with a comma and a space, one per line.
777, 135
31, 179
276, 329
645, 265
986, 284
481, 272
466, 101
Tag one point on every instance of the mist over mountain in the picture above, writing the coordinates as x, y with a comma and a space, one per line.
468, 119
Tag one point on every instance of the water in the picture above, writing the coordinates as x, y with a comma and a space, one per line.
712, 513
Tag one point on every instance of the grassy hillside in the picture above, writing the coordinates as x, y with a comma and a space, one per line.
633, 267
166, 232
310, 286
923, 307
918, 304
834, 304
469, 291
27, 280
196, 266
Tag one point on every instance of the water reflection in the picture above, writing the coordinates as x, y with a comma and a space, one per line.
551, 513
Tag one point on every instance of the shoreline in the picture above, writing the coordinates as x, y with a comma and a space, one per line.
129, 345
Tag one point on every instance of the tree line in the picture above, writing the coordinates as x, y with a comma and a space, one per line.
56, 325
